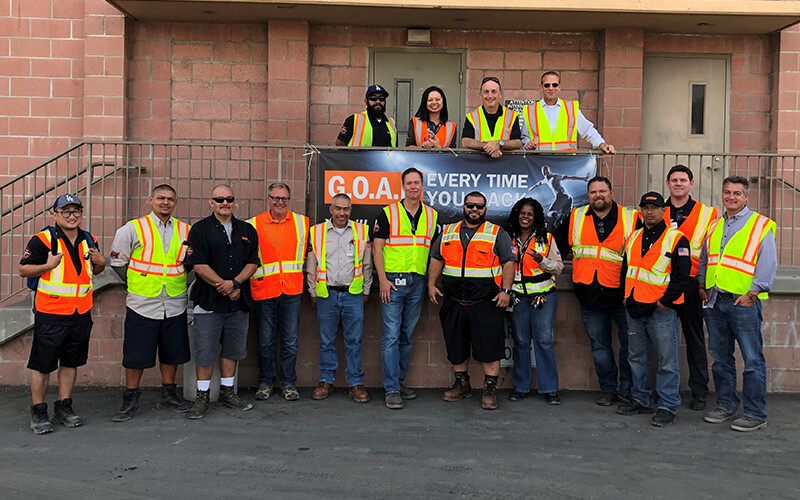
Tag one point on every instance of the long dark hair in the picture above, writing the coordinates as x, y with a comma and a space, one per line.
422, 111
539, 229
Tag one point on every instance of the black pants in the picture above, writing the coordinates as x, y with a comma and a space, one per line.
691, 316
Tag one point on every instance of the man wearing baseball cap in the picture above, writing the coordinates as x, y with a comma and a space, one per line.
370, 127
659, 262
63, 257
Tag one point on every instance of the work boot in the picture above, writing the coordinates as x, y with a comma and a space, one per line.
662, 418
460, 389
322, 391
228, 397
170, 400
489, 398
62, 412
606, 398
40, 422
200, 406
359, 394
130, 405
406, 393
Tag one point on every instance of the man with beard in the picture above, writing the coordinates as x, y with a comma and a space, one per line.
597, 235
475, 260
371, 127
491, 128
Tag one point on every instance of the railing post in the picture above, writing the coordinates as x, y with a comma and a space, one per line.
89, 177
280, 164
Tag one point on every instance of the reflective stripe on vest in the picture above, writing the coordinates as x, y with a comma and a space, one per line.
592, 257
733, 271
529, 268
280, 270
362, 130
62, 290
648, 276
565, 136
319, 243
478, 261
404, 251
444, 136
149, 268
695, 227
502, 127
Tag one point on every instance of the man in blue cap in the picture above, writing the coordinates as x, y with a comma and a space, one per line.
371, 127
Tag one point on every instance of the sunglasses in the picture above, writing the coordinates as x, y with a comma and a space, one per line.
548, 85
221, 199
479, 206
374, 98
279, 199
490, 79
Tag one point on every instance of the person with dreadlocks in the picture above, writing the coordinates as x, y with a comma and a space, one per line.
536, 300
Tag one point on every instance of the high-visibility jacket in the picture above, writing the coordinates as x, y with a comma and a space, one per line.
62, 290
502, 127
592, 257
406, 251
362, 130
733, 271
150, 269
695, 227
473, 273
280, 270
532, 278
319, 239
565, 136
648, 276
444, 136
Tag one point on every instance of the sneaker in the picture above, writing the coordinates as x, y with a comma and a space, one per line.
633, 408
170, 400
489, 397
228, 397
517, 396
662, 418
747, 424
62, 412
40, 422
624, 398
290, 393
605, 398
359, 394
718, 416
394, 401
200, 407
263, 393
130, 405
698, 403
552, 398
460, 389
407, 393
322, 391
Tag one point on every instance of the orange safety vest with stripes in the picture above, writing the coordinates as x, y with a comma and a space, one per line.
502, 127
478, 261
62, 290
149, 268
530, 277
406, 251
695, 227
565, 136
648, 276
319, 239
280, 270
362, 130
444, 136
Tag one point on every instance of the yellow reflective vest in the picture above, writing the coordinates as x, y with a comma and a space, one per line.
362, 130
150, 269
318, 243
565, 136
406, 251
502, 127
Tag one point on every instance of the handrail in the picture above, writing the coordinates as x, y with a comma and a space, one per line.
43, 164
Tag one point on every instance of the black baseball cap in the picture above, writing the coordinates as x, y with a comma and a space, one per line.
67, 199
652, 198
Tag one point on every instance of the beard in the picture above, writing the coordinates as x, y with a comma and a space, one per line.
476, 219
376, 110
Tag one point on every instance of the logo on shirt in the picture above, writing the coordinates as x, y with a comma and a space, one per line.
188, 251
343, 131
114, 255
26, 253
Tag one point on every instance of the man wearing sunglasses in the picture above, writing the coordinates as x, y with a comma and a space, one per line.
491, 128
553, 124
277, 287
62, 308
370, 127
223, 251
475, 260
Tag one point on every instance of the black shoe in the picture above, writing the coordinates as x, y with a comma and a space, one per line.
228, 397
407, 393
170, 400
606, 398
40, 422
662, 418
698, 403
624, 398
200, 406
130, 405
517, 396
552, 398
62, 412
633, 408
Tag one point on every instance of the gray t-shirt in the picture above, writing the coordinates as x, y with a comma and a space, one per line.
228, 229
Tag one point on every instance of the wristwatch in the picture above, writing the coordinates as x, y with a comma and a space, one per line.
507, 291
501, 143
753, 296
236, 284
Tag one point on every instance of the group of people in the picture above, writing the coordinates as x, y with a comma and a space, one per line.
550, 124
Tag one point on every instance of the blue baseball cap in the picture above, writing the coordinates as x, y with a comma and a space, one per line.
376, 89
67, 199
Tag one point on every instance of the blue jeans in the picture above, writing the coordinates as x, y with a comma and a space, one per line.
537, 325
728, 324
350, 309
279, 313
659, 330
598, 326
400, 317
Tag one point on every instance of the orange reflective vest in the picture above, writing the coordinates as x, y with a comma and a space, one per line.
565, 136
502, 127
362, 130
444, 136
695, 227
592, 257
62, 290
280, 270
648, 277
532, 278
479, 261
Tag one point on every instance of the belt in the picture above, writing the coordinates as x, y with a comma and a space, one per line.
726, 295
342, 288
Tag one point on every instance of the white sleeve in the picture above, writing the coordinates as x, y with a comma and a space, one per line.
587, 131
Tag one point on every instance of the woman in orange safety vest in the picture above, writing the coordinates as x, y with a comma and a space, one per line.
429, 128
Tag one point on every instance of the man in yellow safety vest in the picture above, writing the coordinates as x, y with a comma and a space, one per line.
371, 127
492, 127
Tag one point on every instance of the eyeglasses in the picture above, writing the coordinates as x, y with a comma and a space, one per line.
279, 199
222, 199
479, 206
490, 79
548, 85
374, 98
70, 213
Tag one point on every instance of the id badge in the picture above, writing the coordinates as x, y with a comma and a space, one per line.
399, 282
674, 224
518, 276
351, 249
